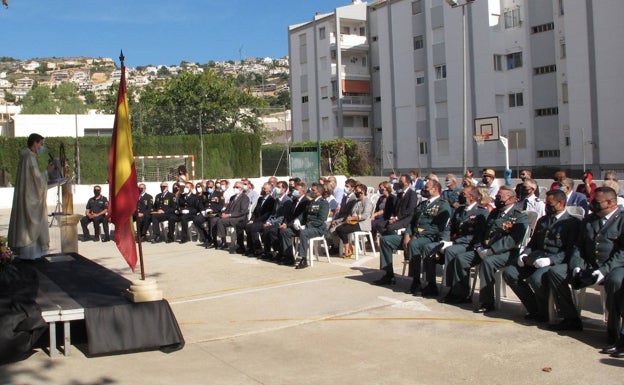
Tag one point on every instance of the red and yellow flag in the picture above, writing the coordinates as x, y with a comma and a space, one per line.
123, 193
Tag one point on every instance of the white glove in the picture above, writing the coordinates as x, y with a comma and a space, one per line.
484, 253
208, 210
185, 211
302, 227
520, 260
599, 277
576, 271
541, 262
204, 212
297, 224
445, 245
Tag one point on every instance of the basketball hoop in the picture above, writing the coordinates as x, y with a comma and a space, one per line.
481, 138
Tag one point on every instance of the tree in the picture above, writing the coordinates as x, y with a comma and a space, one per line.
68, 101
39, 100
163, 71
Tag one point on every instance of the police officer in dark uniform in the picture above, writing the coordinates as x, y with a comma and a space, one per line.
96, 212
601, 257
164, 207
313, 222
145, 205
553, 242
287, 230
213, 204
187, 208
466, 229
505, 229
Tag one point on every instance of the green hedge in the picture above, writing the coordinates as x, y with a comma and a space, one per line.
225, 155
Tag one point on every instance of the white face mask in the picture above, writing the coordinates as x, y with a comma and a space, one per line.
199, 190
235, 190
245, 187
186, 191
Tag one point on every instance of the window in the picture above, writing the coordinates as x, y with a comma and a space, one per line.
304, 99
362, 31
544, 69
564, 92
420, 77
416, 7
376, 69
325, 122
344, 30
418, 42
322, 33
547, 111
516, 100
498, 62
561, 12
303, 49
324, 94
374, 38
440, 72
423, 148
377, 99
333, 54
364, 61
562, 49
548, 153
514, 60
512, 18
543, 27
517, 138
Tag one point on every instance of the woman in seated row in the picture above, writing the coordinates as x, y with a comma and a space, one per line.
358, 220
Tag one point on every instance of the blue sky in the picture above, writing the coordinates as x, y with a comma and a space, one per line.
154, 31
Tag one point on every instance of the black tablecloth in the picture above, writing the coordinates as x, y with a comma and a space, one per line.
113, 323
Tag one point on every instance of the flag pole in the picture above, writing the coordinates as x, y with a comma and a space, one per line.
140, 241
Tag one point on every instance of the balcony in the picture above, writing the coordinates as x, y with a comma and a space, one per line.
351, 71
350, 42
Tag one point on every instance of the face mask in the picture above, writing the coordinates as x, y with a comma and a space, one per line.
210, 190
263, 193
223, 187
462, 199
484, 180
398, 186
412, 178
199, 190
381, 192
40, 149
186, 191
524, 191
96, 192
175, 190
499, 203
447, 183
295, 193
358, 194
393, 181
245, 187
276, 191
425, 193
141, 190
291, 188
551, 210
163, 189
235, 190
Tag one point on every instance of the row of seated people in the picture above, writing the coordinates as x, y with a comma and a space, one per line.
562, 251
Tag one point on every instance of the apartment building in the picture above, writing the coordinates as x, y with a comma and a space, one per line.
546, 70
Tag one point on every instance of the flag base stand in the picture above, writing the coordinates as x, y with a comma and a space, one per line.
143, 291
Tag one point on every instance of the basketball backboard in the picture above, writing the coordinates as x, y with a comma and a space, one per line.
488, 127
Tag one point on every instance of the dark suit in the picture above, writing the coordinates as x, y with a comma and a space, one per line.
601, 248
578, 199
270, 235
238, 210
503, 236
315, 221
403, 212
145, 205
165, 202
263, 210
427, 225
286, 235
554, 239
466, 229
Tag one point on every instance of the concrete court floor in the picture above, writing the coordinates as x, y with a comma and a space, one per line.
247, 321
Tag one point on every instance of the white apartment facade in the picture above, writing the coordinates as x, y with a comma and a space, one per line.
547, 69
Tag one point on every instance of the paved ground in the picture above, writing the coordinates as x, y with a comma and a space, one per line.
247, 321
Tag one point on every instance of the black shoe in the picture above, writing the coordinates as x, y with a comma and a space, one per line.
106, 239
240, 250
169, 240
96, 238
431, 290
449, 298
568, 324
414, 289
535, 317
156, 240
613, 348
302, 264
484, 308
223, 245
213, 245
385, 280
287, 262
84, 238
333, 250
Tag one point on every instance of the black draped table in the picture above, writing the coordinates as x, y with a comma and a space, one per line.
72, 287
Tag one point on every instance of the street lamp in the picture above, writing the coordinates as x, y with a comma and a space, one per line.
455, 4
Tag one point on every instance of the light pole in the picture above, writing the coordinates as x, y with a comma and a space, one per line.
463, 5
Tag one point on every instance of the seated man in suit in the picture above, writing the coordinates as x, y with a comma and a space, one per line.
145, 205
235, 213
466, 229
164, 207
553, 242
505, 229
287, 230
406, 202
428, 222
282, 209
573, 198
254, 227
312, 223
187, 209
601, 259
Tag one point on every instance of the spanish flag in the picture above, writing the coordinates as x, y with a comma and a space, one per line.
123, 193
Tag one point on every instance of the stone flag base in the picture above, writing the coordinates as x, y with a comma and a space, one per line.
144, 291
